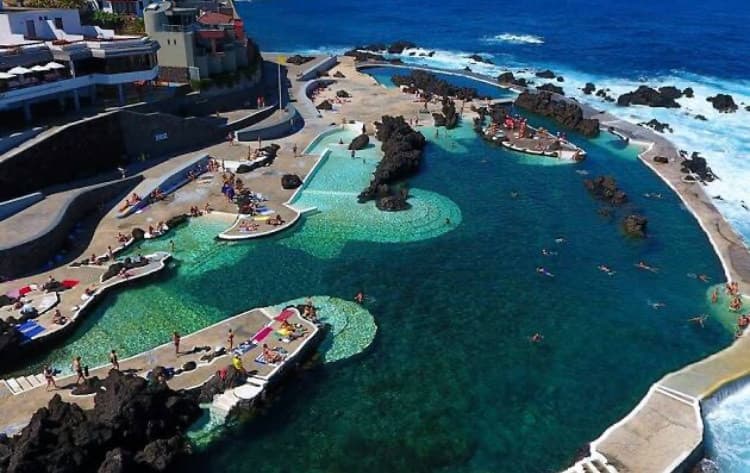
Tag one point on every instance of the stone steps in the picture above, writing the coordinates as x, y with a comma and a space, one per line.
591, 464
24, 383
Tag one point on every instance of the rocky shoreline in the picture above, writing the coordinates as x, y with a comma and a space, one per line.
136, 425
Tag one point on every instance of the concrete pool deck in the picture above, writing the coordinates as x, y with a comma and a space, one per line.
18, 408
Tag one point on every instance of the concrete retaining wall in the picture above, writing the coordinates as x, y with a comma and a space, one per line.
314, 71
285, 125
76, 151
40, 248
14, 139
159, 134
10, 207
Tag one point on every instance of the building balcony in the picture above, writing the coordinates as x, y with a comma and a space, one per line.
12, 97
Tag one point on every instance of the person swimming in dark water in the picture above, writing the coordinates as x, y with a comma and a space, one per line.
541, 270
359, 298
536, 338
647, 267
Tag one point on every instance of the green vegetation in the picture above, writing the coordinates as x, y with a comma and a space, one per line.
122, 24
72, 4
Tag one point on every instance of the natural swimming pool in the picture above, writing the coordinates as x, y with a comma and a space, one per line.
451, 370
383, 75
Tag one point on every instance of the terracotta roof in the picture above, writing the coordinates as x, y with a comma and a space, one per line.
213, 18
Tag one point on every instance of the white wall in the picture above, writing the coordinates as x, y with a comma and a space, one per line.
71, 21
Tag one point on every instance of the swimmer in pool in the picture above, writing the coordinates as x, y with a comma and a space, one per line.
559, 240
547, 252
647, 267
536, 338
543, 271
657, 305
605, 269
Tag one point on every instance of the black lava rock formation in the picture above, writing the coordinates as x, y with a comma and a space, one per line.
135, 426
605, 188
402, 155
565, 113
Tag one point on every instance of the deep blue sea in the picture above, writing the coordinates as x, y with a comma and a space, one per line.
616, 45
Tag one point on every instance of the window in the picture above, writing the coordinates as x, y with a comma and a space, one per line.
30, 29
59, 23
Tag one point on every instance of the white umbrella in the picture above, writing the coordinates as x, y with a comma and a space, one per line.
5, 75
18, 70
54, 65
39, 68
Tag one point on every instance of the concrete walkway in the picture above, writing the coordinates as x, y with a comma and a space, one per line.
18, 409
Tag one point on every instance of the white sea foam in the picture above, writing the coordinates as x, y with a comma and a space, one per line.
728, 427
512, 38
722, 140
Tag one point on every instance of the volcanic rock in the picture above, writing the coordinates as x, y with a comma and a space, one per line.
339, 75
701, 117
359, 142
645, 95
364, 56
325, 105
218, 383
589, 88
138, 234
342, 94
478, 58
433, 85
670, 92
723, 103
688, 92
549, 87
402, 155
560, 79
545, 74
605, 188
635, 225
290, 181
177, 220
657, 125
392, 203
698, 165
131, 415
298, 60
508, 78
565, 113
399, 46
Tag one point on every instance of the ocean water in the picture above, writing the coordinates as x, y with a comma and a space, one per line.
616, 45
450, 381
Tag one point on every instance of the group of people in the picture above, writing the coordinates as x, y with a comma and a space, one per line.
197, 212
81, 371
130, 201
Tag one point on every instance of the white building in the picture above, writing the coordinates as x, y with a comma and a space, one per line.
47, 55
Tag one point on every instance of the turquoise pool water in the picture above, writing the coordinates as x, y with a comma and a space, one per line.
384, 74
450, 381
333, 191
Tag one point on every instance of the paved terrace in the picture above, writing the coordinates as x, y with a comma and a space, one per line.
18, 409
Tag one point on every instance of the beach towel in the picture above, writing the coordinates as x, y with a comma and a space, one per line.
260, 359
243, 348
30, 329
24, 290
284, 315
261, 335
266, 211
70, 283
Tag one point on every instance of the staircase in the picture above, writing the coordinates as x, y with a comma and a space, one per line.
594, 463
223, 403
24, 383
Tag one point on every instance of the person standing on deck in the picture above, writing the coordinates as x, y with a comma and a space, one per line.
230, 339
113, 359
176, 341
78, 370
50, 377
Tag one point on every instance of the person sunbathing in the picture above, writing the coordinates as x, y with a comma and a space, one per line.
58, 318
271, 356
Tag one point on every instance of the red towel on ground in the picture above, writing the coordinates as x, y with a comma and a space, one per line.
24, 290
69, 283
262, 334
284, 315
